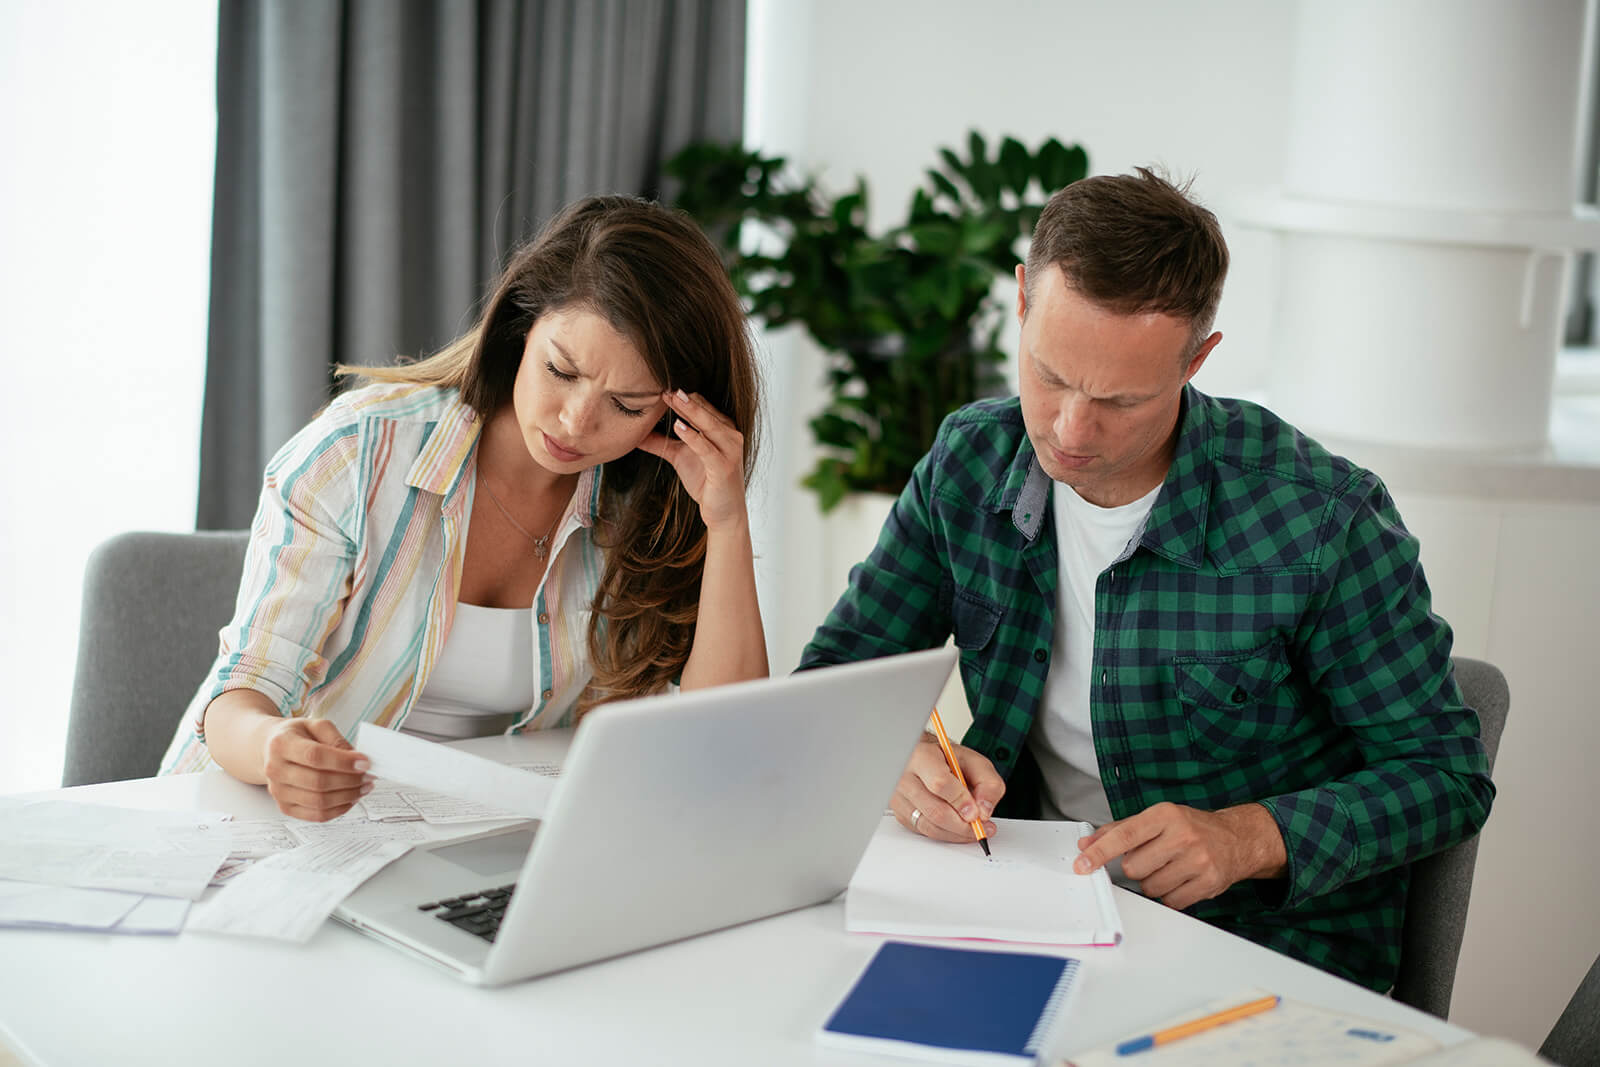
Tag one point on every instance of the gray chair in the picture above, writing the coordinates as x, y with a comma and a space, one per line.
152, 606
1441, 884
1574, 1041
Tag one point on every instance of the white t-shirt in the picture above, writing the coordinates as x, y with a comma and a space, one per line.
1088, 540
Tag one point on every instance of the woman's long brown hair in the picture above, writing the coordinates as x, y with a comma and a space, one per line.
657, 279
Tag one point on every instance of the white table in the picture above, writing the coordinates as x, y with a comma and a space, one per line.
751, 995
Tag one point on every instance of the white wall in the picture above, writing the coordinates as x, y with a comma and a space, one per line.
1204, 89
887, 83
108, 123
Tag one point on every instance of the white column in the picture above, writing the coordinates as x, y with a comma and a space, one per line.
1427, 217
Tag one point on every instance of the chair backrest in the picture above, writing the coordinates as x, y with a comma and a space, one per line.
152, 606
1574, 1041
1441, 884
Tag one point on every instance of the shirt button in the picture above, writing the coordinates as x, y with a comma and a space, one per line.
1239, 695
1105, 676
544, 618
1002, 754
1116, 772
1039, 655
548, 693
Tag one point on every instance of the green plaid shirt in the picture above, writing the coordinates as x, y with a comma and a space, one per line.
1267, 637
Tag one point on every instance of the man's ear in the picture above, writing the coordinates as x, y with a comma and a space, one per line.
1199, 358
1022, 292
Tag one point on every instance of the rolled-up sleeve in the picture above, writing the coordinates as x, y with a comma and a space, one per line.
297, 571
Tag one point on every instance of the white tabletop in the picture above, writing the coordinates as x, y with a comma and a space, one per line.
754, 994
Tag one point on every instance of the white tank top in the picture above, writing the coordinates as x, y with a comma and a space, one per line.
484, 677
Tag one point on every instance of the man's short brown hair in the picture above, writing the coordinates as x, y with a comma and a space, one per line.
1132, 244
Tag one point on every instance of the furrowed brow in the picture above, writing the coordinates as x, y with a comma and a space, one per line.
639, 394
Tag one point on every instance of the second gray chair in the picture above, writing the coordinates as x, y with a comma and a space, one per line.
1441, 884
152, 606
1574, 1041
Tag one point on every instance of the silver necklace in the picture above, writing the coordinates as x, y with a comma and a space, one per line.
541, 545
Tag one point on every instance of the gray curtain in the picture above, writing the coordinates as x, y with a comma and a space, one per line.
378, 159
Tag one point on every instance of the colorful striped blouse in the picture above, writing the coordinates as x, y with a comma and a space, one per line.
354, 564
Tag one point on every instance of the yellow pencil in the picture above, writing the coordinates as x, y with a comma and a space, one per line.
1200, 1025
950, 758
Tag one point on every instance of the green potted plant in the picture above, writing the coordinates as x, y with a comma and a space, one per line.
908, 316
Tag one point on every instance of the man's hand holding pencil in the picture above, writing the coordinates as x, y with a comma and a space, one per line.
932, 800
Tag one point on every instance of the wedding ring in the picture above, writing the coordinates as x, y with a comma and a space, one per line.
916, 813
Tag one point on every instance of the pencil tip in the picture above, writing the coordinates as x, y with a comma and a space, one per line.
985, 845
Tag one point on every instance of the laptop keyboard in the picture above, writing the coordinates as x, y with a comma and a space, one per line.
477, 913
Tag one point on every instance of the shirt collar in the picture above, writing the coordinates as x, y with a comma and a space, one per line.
586, 498
1176, 527
440, 465
1024, 491
443, 463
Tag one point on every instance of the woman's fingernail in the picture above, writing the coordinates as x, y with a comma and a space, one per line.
968, 812
366, 787
682, 395
361, 766
1081, 865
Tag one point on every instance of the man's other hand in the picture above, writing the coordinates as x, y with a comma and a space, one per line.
1181, 856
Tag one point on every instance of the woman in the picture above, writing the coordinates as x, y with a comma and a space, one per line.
545, 515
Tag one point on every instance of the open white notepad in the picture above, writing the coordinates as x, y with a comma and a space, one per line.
913, 886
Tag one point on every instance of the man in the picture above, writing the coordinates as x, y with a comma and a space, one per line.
1179, 618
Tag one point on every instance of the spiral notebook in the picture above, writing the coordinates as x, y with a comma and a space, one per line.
924, 1001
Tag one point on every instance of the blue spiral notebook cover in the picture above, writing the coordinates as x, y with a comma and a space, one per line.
958, 1005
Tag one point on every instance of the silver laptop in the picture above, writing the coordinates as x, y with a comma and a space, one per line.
674, 816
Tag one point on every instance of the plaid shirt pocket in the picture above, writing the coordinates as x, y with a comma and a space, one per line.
1235, 703
973, 622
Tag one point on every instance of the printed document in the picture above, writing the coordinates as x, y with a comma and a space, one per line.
287, 896
95, 846
415, 762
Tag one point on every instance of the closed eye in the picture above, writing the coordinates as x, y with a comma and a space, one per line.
632, 413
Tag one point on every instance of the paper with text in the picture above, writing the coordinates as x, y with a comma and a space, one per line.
441, 769
95, 846
385, 804
911, 885
317, 833
287, 896
1291, 1033
244, 839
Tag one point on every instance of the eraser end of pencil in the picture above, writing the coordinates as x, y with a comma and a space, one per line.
1138, 1044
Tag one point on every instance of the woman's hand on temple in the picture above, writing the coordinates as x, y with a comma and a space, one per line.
708, 455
